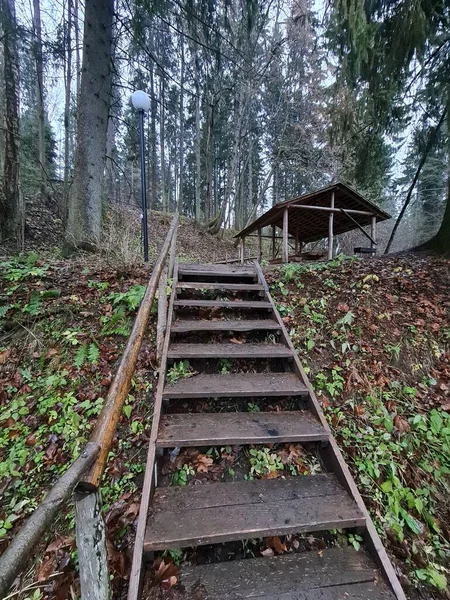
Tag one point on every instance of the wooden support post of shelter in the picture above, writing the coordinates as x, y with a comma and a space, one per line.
259, 253
242, 250
373, 233
322, 214
285, 257
330, 229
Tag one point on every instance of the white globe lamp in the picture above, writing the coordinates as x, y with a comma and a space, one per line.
140, 100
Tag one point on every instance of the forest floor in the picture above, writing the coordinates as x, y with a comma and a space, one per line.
374, 335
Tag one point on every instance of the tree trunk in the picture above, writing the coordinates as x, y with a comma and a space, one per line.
162, 143
85, 210
12, 213
77, 47
68, 83
430, 143
441, 241
198, 174
154, 159
209, 160
40, 92
181, 142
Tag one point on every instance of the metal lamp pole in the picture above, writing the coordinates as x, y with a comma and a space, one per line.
141, 103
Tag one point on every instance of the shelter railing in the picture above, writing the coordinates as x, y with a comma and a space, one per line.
84, 475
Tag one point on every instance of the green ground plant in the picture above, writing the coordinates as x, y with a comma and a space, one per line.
263, 462
179, 370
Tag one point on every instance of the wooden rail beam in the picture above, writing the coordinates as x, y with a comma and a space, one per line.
108, 419
351, 211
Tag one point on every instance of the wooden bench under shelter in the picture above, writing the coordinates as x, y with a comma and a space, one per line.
325, 213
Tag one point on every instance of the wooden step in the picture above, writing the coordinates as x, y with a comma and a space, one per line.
231, 351
332, 574
232, 287
185, 325
237, 385
216, 269
219, 512
226, 429
234, 304
206, 272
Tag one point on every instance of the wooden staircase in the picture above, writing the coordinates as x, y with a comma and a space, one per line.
214, 513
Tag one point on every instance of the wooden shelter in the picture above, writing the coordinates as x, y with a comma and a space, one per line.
324, 213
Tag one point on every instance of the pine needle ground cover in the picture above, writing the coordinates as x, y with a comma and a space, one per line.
374, 336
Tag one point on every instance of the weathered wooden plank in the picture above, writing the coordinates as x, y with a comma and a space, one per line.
220, 512
91, 546
234, 304
186, 325
235, 385
234, 287
204, 429
335, 574
215, 269
228, 351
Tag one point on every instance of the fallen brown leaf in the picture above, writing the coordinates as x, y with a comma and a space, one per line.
401, 424
203, 462
45, 569
276, 544
4, 356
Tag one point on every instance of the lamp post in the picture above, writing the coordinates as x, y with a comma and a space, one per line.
141, 103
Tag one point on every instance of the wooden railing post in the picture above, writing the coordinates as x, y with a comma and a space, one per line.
91, 545
259, 252
162, 314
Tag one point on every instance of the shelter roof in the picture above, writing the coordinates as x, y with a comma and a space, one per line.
311, 225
